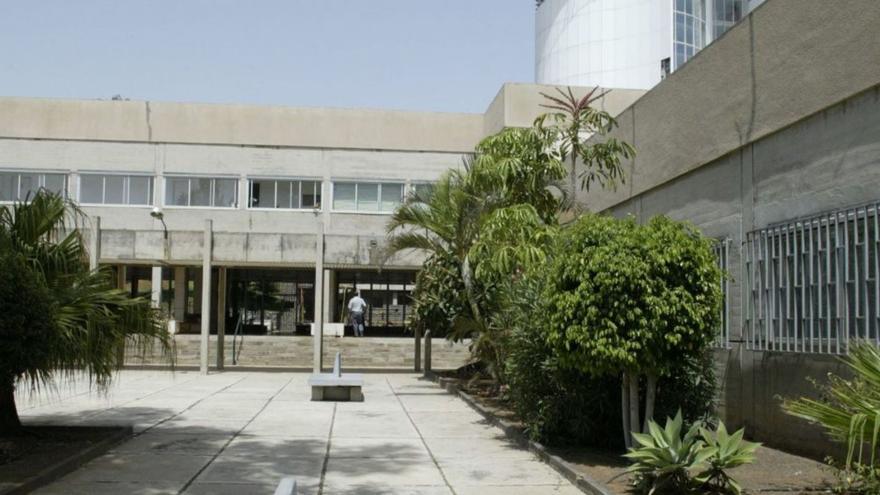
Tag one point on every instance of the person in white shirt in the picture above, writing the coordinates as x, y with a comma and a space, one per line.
356, 309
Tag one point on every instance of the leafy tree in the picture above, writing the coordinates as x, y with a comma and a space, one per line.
26, 324
87, 320
498, 213
631, 300
572, 122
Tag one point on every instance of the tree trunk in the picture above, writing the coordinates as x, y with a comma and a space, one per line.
9, 422
634, 403
624, 409
650, 396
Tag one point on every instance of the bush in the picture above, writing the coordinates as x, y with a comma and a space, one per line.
560, 405
849, 411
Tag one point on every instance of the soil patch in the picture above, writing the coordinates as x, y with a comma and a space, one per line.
50, 451
773, 472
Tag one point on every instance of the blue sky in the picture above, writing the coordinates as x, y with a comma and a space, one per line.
439, 55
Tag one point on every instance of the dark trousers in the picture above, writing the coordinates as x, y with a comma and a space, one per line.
357, 323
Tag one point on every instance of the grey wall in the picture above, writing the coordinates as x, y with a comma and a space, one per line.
827, 161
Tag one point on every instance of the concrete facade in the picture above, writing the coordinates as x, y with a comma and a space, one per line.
777, 121
233, 147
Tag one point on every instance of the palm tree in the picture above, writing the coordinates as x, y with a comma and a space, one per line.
86, 320
486, 216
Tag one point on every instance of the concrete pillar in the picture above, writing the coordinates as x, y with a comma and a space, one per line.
95, 244
418, 350
120, 277
206, 297
179, 293
120, 284
318, 338
329, 296
221, 315
156, 287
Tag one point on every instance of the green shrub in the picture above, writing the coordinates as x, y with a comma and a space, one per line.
630, 300
560, 405
850, 413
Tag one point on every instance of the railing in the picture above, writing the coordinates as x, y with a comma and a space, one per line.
814, 283
722, 256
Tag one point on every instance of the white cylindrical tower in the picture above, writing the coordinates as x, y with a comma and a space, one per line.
608, 43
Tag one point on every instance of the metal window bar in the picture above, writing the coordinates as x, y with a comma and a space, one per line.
722, 256
814, 283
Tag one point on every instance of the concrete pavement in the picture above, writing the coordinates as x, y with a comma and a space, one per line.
240, 433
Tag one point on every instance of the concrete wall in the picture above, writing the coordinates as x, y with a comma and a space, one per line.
788, 60
145, 121
518, 105
777, 120
371, 353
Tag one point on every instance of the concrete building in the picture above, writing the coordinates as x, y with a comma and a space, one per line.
769, 141
246, 198
626, 43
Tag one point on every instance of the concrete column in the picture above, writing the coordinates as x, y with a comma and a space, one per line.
221, 315
329, 296
120, 284
417, 333
179, 293
206, 297
120, 277
318, 338
156, 287
95, 244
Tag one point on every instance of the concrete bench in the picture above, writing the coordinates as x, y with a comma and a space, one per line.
336, 386
287, 486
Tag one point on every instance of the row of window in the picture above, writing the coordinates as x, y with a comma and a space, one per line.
216, 192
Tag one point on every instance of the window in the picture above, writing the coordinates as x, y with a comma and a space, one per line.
201, 191
367, 197
422, 190
106, 189
815, 283
17, 186
285, 194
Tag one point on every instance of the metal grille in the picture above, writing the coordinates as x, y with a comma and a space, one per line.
722, 255
814, 284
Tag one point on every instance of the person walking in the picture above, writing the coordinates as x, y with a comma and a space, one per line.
356, 309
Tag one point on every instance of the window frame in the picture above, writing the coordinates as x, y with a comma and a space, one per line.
357, 182
126, 193
166, 178
42, 173
318, 184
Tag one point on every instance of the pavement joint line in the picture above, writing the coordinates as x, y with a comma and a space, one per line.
234, 435
194, 404
422, 438
89, 391
327, 453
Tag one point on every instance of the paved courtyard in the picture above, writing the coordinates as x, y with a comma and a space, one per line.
239, 433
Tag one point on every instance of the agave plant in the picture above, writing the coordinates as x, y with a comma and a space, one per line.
666, 461
730, 451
